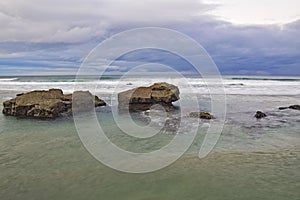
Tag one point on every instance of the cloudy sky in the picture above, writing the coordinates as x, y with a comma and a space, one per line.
243, 37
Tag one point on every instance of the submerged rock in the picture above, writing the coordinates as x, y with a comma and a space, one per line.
283, 108
201, 115
48, 104
294, 107
260, 115
172, 125
143, 98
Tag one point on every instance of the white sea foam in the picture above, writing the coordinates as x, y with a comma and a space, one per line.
198, 85
8, 79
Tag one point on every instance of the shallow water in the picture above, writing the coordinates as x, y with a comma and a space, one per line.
47, 164
253, 159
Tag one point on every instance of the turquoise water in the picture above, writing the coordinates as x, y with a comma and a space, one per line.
40, 162
253, 159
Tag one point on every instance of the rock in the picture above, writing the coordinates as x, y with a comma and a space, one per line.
240, 84
172, 125
260, 115
283, 108
142, 98
294, 107
48, 104
84, 101
201, 115
20, 94
99, 102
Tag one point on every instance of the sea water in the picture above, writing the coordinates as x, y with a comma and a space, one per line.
253, 159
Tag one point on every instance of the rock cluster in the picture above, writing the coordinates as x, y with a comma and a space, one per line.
49, 104
143, 98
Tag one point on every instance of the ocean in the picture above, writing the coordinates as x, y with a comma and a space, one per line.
252, 159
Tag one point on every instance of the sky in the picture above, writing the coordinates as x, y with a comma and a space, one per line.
52, 37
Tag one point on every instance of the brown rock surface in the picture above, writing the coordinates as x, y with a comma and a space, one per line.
201, 115
142, 98
48, 104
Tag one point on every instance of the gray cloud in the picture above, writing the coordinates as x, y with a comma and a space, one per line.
79, 21
60, 33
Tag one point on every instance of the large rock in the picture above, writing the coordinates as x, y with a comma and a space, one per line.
142, 98
49, 104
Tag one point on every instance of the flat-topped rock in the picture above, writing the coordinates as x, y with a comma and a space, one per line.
142, 98
49, 104
201, 115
